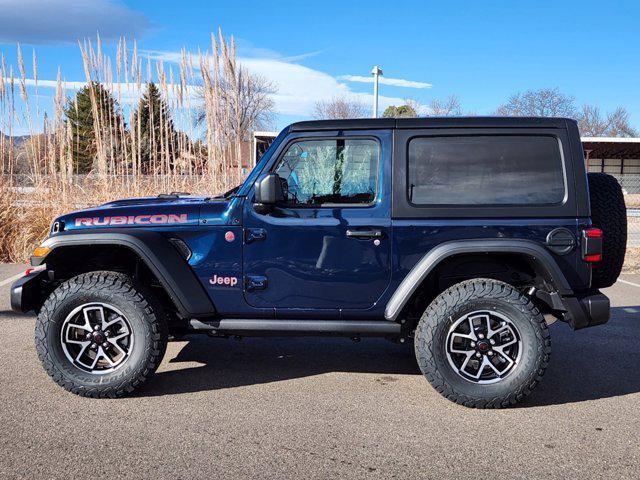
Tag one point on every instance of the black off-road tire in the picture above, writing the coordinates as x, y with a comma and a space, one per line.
609, 213
469, 296
144, 314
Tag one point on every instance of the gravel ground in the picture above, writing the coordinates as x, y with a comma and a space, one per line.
324, 408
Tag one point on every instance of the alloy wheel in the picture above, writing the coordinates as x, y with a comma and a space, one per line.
96, 338
483, 346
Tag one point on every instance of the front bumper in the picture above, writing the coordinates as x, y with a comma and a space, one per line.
27, 292
584, 311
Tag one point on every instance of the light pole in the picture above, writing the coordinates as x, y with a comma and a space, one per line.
376, 72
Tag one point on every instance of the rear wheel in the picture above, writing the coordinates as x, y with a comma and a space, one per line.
98, 335
481, 343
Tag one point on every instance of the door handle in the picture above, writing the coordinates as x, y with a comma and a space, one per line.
255, 282
365, 233
254, 234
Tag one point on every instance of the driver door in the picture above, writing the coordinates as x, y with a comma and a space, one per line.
327, 246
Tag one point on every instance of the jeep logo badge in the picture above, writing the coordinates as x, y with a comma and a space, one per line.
229, 281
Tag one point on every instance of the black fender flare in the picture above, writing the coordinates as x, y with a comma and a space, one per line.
158, 254
541, 257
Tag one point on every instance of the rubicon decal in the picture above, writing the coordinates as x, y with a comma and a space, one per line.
158, 219
229, 281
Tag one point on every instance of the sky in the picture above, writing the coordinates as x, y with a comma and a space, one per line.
481, 51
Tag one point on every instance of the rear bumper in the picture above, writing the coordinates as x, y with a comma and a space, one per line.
584, 311
27, 292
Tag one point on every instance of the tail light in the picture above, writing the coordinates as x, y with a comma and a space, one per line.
592, 245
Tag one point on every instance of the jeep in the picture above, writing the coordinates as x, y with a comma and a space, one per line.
465, 237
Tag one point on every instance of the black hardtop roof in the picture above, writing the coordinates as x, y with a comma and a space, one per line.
431, 122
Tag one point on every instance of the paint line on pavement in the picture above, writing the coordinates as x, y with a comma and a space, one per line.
7, 281
629, 283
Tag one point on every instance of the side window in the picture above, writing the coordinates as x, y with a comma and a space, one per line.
330, 171
485, 170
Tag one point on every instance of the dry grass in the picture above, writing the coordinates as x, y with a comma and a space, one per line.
208, 166
632, 260
25, 219
632, 200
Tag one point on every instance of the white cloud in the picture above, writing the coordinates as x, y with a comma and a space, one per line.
395, 82
124, 92
299, 87
62, 21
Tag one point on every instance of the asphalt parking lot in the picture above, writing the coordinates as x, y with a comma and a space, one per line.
325, 408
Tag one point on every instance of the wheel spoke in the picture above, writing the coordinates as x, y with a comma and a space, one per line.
483, 364
121, 334
115, 344
86, 325
484, 319
500, 351
510, 342
72, 340
463, 337
492, 333
95, 360
83, 348
472, 330
493, 367
469, 356
106, 325
105, 355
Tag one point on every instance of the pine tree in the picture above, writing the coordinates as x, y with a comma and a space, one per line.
84, 126
154, 129
403, 111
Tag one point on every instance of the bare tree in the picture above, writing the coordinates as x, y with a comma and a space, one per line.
616, 124
546, 102
248, 96
448, 107
619, 125
340, 107
591, 122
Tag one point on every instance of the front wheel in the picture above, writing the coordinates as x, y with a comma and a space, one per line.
98, 335
481, 343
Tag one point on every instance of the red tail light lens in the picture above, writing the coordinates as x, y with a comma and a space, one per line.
592, 245
593, 233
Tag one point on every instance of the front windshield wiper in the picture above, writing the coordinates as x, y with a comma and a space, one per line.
229, 193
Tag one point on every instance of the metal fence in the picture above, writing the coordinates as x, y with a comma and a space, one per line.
630, 182
633, 227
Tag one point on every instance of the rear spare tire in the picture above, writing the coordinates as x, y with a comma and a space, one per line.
608, 213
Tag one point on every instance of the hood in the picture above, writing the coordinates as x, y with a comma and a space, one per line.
149, 212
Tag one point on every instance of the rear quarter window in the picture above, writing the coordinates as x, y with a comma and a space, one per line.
485, 170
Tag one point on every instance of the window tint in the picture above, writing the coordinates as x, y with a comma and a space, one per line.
330, 171
487, 170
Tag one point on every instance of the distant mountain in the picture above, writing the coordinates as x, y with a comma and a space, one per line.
18, 140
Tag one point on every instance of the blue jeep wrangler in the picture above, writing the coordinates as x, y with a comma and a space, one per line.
463, 236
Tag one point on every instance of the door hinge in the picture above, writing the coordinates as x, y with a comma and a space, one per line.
255, 282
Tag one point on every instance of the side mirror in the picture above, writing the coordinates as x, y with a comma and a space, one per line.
268, 191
